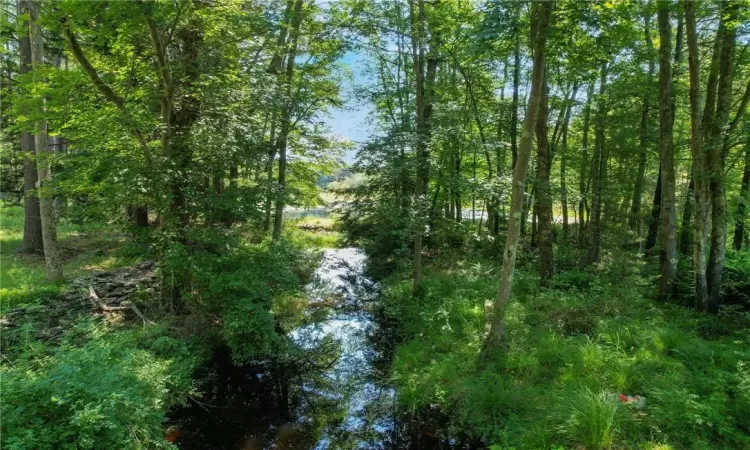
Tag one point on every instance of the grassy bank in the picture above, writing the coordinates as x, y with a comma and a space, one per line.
84, 249
571, 351
109, 382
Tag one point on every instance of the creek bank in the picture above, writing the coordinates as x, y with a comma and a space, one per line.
330, 389
117, 290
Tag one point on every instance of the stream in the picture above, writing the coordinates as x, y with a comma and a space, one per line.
329, 393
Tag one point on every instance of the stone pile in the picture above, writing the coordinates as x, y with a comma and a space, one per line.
114, 290
117, 286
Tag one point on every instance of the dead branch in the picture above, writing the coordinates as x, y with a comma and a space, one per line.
98, 303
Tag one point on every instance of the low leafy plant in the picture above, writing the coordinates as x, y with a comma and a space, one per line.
111, 392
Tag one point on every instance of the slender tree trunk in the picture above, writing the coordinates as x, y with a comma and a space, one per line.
457, 188
653, 223
283, 138
634, 221
44, 160
688, 211
668, 227
582, 184
32, 223
700, 188
727, 35
516, 85
564, 165
425, 72
543, 11
543, 200
598, 173
653, 220
740, 217
270, 160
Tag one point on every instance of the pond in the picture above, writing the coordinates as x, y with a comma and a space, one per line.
329, 393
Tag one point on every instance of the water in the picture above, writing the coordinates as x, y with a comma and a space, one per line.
327, 393
324, 396
299, 213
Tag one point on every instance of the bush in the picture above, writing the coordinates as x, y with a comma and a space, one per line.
112, 392
237, 284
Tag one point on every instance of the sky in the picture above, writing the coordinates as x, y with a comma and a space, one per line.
351, 121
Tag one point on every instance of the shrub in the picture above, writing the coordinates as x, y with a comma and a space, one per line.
112, 392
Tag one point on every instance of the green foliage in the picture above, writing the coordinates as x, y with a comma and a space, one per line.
592, 419
570, 352
98, 389
221, 276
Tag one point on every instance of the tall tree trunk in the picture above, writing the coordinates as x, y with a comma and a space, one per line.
598, 173
634, 221
44, 155
727, 36
582, 180
668, 226
425, 77
700, 184
564, 165
739, 227
32, 223
543, 11
457, 188
688, 211
516, 85
270, 159
286, 111
543, 200
653, 220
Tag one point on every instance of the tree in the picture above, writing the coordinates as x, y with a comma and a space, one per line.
741, 214
543, 199
542, 14
424, 72
44, 155
598, 172
283, 137
726, 36
583, 169
700, 187
668, 226
32, 224
634, 221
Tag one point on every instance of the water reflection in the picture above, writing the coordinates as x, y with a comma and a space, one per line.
327, 392
322, 395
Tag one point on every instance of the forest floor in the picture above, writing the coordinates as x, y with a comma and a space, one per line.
592, 362
122, 375
85, 249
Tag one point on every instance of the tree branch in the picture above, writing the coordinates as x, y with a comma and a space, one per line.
108, 93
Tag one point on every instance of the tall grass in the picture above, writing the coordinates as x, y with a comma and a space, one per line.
592, 418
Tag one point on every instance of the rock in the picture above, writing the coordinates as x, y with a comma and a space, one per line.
145, 265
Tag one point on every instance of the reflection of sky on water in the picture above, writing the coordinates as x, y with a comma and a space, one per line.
341, 274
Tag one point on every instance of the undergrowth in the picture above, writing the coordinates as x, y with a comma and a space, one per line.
570, 352
110, 383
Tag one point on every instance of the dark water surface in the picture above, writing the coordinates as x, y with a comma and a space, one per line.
329, 392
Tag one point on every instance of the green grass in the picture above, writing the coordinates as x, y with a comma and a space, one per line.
312, 232
569, 352
84, 249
